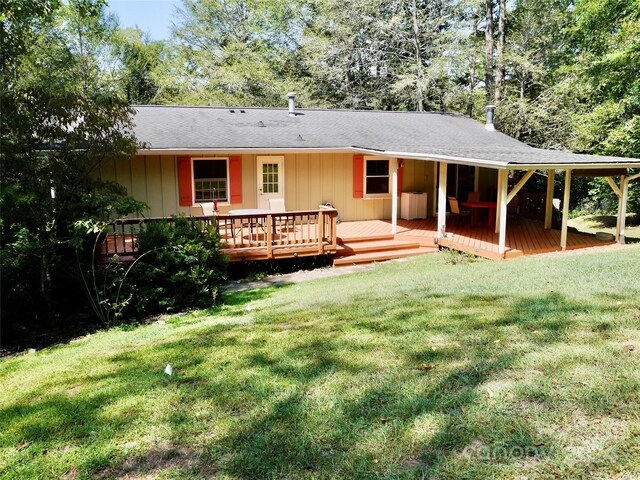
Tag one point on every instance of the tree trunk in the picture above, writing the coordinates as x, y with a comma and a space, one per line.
418, 58
472, 65
489, 45
502, 31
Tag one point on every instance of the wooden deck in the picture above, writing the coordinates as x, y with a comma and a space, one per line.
244, 237
305, 233
524, 237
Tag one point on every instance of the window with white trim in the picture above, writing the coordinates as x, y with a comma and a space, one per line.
377, 177
211, 179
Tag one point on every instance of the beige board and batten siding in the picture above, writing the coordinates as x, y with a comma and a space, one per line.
310, 179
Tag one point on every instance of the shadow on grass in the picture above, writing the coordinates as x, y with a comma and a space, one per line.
318, 406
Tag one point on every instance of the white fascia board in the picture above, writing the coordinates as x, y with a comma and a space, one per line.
435, 158
572, 166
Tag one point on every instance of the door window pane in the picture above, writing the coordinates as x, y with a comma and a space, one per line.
270, 178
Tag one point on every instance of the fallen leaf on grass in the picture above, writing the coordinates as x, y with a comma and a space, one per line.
425, 367
22, 445
384, 420
538, 444
630, 347
595, 420
464, 409
490, 393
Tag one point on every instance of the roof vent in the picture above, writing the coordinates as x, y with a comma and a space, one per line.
300, 139
232, 111
242, 111
292, 103
261, 124
489, 125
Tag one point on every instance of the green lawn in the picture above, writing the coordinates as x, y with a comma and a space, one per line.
421, 369
607, 223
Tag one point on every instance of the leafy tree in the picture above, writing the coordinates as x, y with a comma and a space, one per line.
140, 62
60, 118
237, 52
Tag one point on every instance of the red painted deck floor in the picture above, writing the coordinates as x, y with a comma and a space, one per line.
524, 237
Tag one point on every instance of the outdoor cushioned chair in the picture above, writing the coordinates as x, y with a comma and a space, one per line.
456, 213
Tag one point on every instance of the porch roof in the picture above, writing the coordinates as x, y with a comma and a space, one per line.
420, 135
517, 157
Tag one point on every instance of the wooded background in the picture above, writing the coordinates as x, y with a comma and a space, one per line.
563, 74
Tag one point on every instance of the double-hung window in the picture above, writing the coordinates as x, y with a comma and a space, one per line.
211, 179
377, 177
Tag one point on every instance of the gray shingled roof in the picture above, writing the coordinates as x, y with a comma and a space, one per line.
417, 135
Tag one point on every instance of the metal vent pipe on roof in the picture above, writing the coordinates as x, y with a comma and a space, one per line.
489, 125
292, 103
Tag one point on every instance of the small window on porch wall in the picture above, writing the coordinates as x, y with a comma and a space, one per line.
377, 178
210, 180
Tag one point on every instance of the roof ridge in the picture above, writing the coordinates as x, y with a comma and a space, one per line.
342, 110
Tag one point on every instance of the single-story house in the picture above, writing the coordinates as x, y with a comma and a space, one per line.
358, 161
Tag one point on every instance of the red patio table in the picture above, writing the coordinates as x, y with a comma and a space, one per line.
475, 210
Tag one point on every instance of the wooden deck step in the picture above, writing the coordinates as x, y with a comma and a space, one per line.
364, 238
380, 256
374, 246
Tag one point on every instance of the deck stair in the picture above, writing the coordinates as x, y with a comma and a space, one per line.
376, 249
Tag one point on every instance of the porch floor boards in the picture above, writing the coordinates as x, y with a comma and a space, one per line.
524, 237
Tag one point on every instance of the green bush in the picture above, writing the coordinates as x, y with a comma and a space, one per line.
180, 267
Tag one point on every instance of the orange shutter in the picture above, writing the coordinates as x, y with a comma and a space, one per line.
358, 175
400, 171
185, 181
235, 179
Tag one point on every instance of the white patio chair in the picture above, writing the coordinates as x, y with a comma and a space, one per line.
284, 223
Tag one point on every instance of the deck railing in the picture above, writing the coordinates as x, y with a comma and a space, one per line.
263, 235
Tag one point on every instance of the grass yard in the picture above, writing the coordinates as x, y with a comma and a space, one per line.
607, 223
528, 368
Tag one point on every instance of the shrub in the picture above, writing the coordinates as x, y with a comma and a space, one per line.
455, 257
181, 267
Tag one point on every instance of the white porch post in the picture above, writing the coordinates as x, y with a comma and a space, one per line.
501, 174
442, 199
548, 206
434, 192
504, 200
619, 193
565, 208
622, 210
394, 200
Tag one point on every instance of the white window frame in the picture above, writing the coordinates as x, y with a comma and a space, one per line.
364, 178
193, 179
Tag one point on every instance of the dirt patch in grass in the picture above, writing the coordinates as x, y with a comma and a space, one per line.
158, 459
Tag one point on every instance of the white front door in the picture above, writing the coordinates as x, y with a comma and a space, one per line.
270, 179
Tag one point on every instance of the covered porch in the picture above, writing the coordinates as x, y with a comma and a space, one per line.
523, 237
